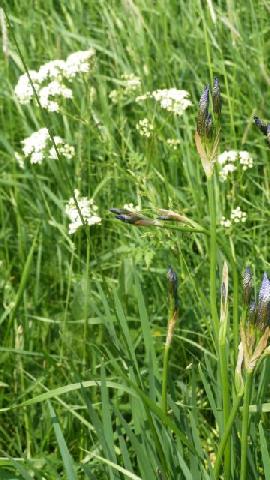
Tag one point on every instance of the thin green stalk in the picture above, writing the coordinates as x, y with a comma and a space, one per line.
223, 364
85, 325
226, 434
226, 405
245, 421
235, 302
164, 400
213, 255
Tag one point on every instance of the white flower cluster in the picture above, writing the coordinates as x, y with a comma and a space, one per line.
49, 80
39, 146
227, 160
237, 216
129, 86
145, 128
88, 211
170, 99
173, 143
131, 207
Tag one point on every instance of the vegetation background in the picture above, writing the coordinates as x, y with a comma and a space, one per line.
64, 320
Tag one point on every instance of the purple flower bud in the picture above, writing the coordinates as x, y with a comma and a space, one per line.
173, 285
261, 125
264, 302
247, 285
209, 125
252, 313
203, 111
217, 102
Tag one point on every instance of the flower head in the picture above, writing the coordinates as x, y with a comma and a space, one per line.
87, 215
217, 102
264, 302
247, 285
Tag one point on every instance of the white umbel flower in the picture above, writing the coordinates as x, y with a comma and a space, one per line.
171, 99
88, 211
238, 215
39, 145
145, 128
51, 78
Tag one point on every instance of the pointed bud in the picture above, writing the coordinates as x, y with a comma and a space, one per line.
252, 314
261, 125
173, 285
209, 126
217, 102
203, 111
247, 285
264, 303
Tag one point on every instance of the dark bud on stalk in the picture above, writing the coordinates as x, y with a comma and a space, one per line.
261, 125
263, 314
127, 216
173, 285
203, 111
217, 102
247, 285
209, 126
268, 132
252, 314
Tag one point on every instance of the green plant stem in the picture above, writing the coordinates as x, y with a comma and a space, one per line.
226, 434
226, 405
213, 255
245, 421
235, 302
85, 326
164, 400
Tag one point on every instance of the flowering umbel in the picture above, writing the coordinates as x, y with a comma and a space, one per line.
207, 132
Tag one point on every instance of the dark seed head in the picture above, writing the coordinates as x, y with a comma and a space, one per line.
261, 125
217, 102
247, 285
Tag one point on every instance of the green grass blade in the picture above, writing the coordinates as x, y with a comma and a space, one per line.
67, 459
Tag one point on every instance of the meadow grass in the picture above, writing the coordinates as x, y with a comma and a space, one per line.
84, 317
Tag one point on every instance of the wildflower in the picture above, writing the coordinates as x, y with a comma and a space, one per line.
226, 223
145, 128
39, 146
88, 212
173, 143
238, 216
247, 285
170, 99
227, 160
217, 102
53, 89
78, 62
129, 85
130, 207
50, 80
24, 90
245, 159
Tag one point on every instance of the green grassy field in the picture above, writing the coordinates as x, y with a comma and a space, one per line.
84, 388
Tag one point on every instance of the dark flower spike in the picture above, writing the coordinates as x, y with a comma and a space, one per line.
173, 285
252, 314
264, 303
261, 125
247, 285
133, 218
203, 111
209, 125
268, 132
217, 102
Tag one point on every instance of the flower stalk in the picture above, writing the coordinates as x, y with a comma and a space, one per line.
172, 318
